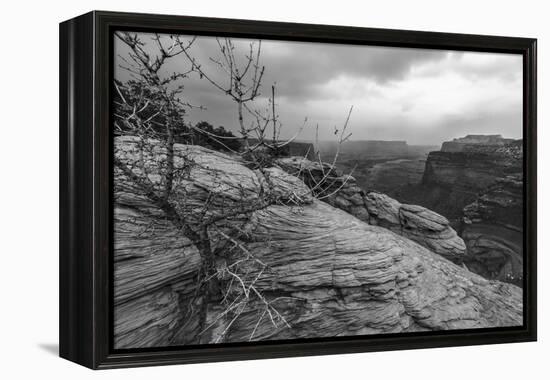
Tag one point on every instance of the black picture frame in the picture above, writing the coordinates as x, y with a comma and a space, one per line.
85, 188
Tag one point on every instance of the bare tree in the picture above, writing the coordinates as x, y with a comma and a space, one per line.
149, 106
244, 80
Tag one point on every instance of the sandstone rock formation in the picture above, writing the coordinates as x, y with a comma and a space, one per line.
335, 275
414, 222
327, 272
155, 269
493, 231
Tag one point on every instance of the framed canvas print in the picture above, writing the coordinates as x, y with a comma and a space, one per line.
236, 189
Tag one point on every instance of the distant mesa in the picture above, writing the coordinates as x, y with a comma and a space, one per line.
465, 143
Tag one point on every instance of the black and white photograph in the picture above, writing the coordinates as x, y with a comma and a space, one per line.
270, 190
277, 190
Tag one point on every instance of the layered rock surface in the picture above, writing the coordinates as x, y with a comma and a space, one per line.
155, 269
335, 275
416, 223
329, 273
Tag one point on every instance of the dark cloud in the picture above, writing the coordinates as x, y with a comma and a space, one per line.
304, 68
402, 94
301, 69
504, 122
479, 66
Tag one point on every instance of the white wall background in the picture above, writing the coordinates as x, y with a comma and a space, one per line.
29, 187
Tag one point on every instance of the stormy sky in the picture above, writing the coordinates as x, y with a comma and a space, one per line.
418, 95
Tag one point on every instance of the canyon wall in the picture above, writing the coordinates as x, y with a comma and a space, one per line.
474, 167
478, 179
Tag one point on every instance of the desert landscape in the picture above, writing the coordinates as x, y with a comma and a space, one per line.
245, 233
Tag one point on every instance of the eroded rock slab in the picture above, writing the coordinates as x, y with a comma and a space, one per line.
327, 272
417, 223
334, 275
